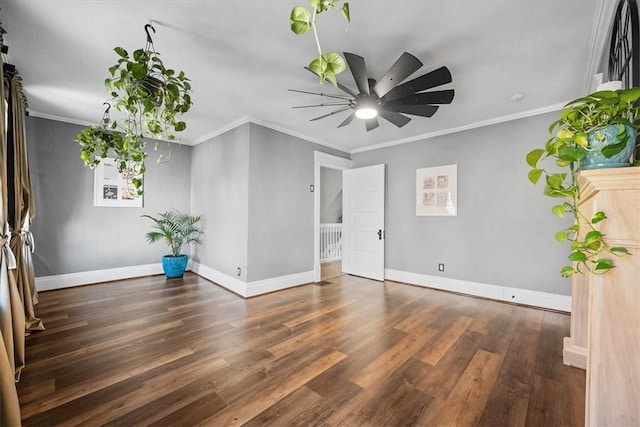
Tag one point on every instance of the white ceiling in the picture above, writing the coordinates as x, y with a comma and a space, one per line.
242, 58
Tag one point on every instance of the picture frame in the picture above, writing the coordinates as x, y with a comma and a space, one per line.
113, 188
437, 191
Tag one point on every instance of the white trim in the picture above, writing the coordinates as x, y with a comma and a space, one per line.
68, 280
260, 287
298, 135
321, 159
272, 126
230, 283
501, 293
59, 118
483, 123
254, 288
244, 120
217, 132
599, 41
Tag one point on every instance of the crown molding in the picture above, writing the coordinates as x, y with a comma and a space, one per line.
483, 123
272, 126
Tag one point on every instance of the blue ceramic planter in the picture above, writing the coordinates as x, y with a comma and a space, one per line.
600, 138
174, 266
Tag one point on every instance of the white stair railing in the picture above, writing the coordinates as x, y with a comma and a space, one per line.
330, 242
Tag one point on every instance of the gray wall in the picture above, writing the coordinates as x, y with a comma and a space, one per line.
71, 234
503, 234
220, 193
280, 203
251, 185
330, 195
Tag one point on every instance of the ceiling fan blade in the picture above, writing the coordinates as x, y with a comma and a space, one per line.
406, 65
371, 124
328, 95
416, 110
327, 104
434, 78
395, 118
330, 114
435, 97
347, 120
340, 86
359, 71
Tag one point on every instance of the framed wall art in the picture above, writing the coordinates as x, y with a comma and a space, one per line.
112, 188
437, 191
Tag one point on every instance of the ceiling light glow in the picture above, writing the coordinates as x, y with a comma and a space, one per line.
366, 113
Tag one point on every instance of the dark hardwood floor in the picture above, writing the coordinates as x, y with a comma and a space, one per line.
344, 352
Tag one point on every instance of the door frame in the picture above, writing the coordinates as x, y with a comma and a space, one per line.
322, 160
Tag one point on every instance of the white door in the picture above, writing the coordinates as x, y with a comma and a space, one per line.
363, 221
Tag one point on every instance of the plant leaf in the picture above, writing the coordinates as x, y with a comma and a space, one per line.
567, 271
300, 20
121, 52
335, 63
603, 264
534, 175
593, 235
559, 210
345, 12
534, 156
598, 216
577, 256
561, 236
613, 149
571, 154
581, 139
618, 250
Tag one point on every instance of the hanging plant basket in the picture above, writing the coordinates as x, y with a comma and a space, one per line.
152, 99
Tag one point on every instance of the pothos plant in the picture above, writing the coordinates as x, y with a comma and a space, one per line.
302, 20
152, 99
582, 120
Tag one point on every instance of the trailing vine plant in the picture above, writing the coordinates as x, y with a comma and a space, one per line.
302, 20
152, 99
582, 122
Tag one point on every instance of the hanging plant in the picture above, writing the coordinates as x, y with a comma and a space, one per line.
152, 98
302, 20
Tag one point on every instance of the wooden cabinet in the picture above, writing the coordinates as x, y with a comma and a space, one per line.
605, 318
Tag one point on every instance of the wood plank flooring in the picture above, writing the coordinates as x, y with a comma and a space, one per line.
343, 352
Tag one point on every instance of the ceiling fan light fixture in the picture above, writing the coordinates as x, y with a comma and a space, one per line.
366, 113
366, 107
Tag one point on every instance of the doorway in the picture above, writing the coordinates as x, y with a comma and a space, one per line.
324, 161
330, 223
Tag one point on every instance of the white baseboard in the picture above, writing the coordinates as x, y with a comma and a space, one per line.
260, 287
59, 281
501, 293
231, 283
254, 288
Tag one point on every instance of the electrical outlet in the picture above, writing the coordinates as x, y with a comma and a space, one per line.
440, 267
238, 272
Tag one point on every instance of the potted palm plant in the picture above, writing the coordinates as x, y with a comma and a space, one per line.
177, 230
595, 131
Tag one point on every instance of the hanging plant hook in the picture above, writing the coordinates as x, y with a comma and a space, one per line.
146, 30
105, 116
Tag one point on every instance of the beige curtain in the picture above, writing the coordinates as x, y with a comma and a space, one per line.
22, 243
12, 319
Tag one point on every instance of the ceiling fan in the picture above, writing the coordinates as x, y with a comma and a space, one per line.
388, 97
